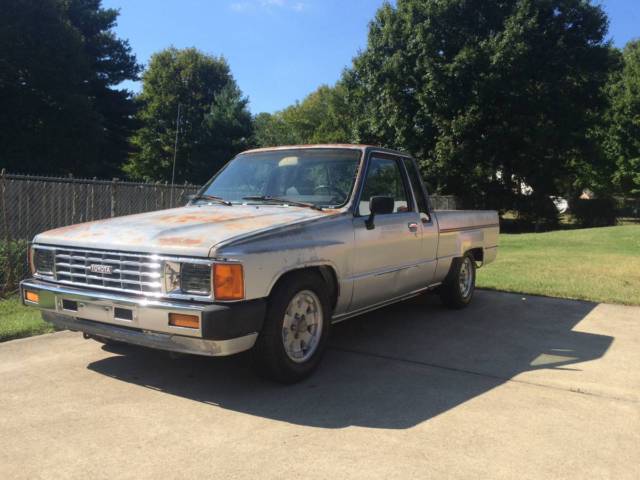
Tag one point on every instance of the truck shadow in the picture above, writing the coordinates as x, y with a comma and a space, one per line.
393, 368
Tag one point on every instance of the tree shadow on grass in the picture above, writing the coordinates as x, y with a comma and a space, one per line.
393, 368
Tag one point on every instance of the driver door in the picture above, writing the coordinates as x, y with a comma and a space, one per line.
387, 257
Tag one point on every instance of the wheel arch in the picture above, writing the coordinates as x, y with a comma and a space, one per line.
326, 271
477, 253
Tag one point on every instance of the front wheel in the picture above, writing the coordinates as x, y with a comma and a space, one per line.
296, 328
457, 289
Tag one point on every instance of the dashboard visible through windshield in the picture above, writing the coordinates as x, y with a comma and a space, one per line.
321, 177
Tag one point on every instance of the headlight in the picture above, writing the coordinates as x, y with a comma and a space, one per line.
195, 278
42, 261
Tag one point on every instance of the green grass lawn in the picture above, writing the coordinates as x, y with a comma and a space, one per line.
598, 264
18, 321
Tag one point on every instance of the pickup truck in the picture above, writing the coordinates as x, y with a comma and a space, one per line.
280, 244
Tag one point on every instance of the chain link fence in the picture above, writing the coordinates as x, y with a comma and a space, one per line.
33, 204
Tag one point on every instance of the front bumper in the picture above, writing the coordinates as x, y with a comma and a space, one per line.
225, 329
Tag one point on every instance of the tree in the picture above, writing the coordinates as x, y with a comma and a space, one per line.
322, 117
58, 62
270, 129
111, 62
490, 95
215, 123
622, 140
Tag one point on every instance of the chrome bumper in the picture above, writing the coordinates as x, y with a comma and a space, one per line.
96, 314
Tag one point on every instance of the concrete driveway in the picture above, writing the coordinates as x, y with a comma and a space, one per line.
512, 387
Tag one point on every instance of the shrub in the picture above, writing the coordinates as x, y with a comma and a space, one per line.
535, 214
13, 264
596, 212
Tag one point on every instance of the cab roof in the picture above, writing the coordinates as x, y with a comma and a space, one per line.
350, 146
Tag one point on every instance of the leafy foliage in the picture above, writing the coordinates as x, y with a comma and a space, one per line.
13, 264
489, 95
58, 62
622, 138
214, 121
322, 117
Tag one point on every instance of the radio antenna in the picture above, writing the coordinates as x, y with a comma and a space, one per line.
175, 154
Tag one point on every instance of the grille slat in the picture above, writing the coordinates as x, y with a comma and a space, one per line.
107, 279
131, 272
115, 270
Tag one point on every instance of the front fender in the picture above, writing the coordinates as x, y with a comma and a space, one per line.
326, 242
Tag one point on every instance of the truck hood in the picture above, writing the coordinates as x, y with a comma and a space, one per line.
190, 231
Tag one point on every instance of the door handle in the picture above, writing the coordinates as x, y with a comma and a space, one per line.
413, 227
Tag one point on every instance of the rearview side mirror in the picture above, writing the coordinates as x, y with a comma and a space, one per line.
379, 205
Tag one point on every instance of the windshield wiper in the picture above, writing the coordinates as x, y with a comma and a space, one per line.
204, 196
268, 198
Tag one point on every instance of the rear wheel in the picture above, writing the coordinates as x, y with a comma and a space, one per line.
457, 289
296, 328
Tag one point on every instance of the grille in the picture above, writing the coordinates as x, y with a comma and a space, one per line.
129, 272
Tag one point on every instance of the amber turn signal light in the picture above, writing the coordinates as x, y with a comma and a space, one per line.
32, 297
182, 320
228, 281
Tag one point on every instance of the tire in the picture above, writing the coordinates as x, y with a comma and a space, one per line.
457, 289
296, 328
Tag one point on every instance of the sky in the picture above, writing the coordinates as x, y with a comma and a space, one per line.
279, 51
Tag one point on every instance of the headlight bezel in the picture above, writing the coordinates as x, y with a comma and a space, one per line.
39, 254
176, 285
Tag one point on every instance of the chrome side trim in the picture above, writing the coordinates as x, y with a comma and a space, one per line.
362, 311
385, 271
160, 341
473, 227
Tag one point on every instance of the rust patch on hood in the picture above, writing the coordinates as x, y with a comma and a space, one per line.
179, 241
74, 227
203, 217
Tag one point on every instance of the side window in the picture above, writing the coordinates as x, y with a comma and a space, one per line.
384, 178
416, 184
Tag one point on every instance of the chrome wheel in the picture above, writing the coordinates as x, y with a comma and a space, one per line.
465, 278
302, 326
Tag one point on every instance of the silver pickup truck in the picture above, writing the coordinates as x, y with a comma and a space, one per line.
277, 246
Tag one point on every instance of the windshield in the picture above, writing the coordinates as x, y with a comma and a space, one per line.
322, 177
